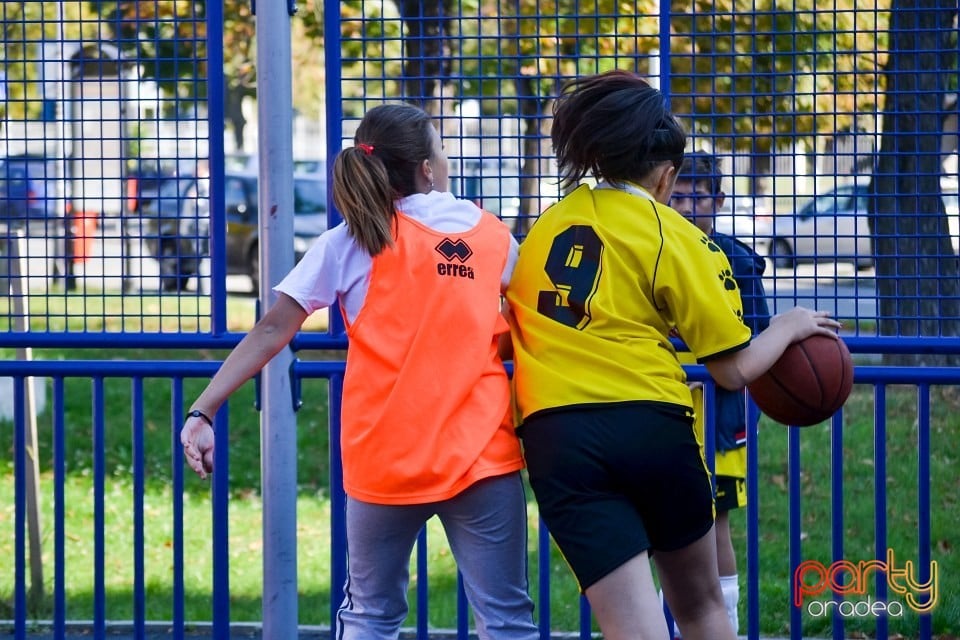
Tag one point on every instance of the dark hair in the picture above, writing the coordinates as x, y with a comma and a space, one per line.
615, 127
391, 142
702, 166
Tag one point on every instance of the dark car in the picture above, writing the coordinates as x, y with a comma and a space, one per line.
145, 176
176, 225
243, 229
28, 189
176, 229
30, 202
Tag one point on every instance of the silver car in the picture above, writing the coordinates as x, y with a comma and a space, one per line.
832, 227
746, 221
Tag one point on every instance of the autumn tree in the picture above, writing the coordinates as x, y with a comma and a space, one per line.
27, 27
168, 39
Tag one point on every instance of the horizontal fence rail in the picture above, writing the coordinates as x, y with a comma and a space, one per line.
221, 560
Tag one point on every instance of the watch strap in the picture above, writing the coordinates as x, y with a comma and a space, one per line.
196, 413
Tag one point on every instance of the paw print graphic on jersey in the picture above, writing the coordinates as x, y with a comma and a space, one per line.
710, 244
726, 276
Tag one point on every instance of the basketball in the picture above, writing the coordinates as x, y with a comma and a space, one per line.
808, 384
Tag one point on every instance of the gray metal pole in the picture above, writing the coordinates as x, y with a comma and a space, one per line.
277, 419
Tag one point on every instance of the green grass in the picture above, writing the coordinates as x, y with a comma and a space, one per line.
858, 505
313, 506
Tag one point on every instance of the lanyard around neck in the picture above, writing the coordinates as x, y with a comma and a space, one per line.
627, 187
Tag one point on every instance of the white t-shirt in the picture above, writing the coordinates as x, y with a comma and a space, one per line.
337, 267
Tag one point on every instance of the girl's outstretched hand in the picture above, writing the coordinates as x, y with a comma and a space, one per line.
802, 323
196, 436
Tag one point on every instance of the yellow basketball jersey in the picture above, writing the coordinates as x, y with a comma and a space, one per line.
602, 279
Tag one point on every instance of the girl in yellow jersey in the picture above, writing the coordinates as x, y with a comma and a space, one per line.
602, 280
426, 422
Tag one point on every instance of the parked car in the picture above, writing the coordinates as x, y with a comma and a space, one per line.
831, 227
745, 221
28, 189
243, 229
145, 176
176, 225
30, 201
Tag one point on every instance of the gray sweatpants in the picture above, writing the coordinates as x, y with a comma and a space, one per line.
486, 527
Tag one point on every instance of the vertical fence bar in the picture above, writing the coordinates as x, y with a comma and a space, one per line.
923, 501
710, 429
20, 512
338, 529
139, 592
663, 62
880, 497
543, 571
836, 509
586, 623
753, 526
793, 485
423, 600
99, 512
215, 120
463, 611
334, 125
176, 474
221, 530
59, 513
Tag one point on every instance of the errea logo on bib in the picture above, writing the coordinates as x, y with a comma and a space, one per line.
454, 250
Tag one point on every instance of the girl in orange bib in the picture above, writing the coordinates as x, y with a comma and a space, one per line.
426, 419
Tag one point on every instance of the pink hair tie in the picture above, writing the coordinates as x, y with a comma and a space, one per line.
366, 148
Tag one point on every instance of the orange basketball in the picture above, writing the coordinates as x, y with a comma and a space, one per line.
808, 384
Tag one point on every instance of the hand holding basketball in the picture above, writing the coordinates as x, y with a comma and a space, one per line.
801, 322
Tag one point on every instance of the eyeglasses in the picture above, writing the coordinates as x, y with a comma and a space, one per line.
696, 196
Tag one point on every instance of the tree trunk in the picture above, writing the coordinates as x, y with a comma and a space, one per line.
233, 112
535, 137
428, 52
917, 268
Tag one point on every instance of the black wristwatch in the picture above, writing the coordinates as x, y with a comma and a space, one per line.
196, 413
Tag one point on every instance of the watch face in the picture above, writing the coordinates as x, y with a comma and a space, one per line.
197, 413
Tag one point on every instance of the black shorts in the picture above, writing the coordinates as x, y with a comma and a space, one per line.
616, 480
731, 493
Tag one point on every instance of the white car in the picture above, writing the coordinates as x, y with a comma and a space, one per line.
831, 227
746, 223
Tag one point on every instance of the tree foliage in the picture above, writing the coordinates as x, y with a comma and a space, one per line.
166, 39
755, 75
27, 28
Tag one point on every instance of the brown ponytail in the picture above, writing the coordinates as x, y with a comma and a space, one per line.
390, 144
363, 196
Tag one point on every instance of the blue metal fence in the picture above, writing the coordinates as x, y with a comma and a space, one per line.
805, 106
